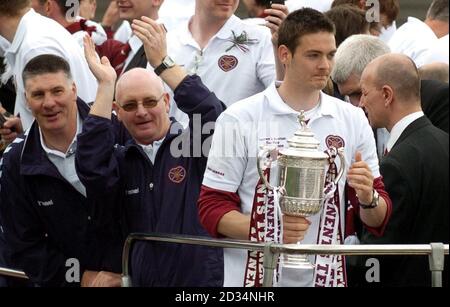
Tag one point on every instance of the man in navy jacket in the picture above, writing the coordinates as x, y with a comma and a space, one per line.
156, 182
48, 222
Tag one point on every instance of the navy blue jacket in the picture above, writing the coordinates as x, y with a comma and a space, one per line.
46, 220
158, 198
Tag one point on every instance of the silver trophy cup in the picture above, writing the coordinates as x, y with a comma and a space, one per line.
301, 174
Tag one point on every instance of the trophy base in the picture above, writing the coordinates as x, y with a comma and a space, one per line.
297, 262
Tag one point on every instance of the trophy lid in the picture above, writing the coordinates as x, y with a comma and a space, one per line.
303, 143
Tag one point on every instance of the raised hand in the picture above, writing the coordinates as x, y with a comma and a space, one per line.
275, 17
153, 37
101, 69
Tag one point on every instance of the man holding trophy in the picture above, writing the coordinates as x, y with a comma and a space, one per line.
301, 176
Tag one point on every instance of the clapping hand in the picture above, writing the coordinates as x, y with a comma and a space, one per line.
153, 37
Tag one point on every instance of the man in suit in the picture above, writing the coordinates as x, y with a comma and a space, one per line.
415, 170
135, 9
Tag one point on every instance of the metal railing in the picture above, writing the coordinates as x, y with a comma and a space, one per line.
12, 273
435, 252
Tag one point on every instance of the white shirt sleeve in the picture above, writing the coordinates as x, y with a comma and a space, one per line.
265, 66
228, 156
439, 52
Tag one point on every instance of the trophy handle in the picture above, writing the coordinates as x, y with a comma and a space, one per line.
330, 188
341, 155
263, 155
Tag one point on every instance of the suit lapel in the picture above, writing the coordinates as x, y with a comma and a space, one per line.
414, 126
139, 60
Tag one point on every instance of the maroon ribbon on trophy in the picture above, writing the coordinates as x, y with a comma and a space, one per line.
263, 228
330, 269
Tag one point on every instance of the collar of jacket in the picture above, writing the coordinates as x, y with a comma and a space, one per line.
415, 125
175, 130
34, 160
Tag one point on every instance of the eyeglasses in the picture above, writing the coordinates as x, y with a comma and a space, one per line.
146, 103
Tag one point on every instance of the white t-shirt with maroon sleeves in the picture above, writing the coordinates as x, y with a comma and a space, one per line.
265, 120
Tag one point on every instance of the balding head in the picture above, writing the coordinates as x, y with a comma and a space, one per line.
390, 88
398, 72
138, 77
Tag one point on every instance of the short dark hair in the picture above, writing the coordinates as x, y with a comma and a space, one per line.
45, 64
438, 10
12, 7
300, 23
348, 20
391, 8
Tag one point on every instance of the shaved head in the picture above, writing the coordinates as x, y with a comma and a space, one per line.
399, 72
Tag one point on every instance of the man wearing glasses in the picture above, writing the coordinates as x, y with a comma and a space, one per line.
156, 176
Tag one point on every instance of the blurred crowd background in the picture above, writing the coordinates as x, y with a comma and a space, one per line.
416, 8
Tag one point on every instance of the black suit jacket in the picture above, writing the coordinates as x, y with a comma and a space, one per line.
434, 97
139, 60
416, 176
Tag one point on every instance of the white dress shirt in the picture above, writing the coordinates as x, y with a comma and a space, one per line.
400, 126
135, 44
124, 32
37, 35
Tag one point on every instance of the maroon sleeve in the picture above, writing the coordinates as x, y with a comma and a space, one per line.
353, 209
378, 185
213, 205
